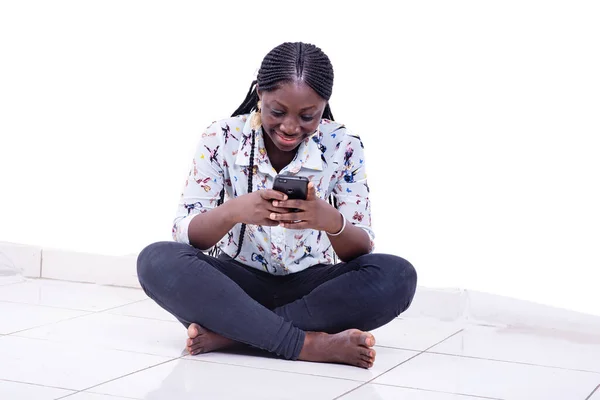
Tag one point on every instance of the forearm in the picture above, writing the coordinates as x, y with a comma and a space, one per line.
353, 242
208, 228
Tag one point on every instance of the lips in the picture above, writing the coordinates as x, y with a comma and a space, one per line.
287, 140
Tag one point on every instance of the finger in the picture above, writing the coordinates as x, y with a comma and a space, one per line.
279, 210
294, 225
299, 204
312, 192
285, 217
270, 194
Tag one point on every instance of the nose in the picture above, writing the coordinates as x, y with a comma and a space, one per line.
290, 127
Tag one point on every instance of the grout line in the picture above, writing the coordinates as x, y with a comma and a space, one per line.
85, 283
148, 318
119, 306
403, 362
514, 362
41, 262
88, 313
438, 391
275, 370
38, 384
108, 396
398, 348
97, 346
119, 377
51, 323
182, 357
41, 305
593, 391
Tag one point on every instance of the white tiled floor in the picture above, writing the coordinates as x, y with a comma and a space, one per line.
91, 342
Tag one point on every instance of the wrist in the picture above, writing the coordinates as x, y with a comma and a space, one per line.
337, 223
231, 211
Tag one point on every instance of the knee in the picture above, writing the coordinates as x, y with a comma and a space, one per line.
399, 277
157, 258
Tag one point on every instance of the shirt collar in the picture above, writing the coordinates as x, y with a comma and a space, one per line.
308, 156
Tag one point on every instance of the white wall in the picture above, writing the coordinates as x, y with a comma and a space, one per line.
480, 120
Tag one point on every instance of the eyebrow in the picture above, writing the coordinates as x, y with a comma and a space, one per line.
302, 109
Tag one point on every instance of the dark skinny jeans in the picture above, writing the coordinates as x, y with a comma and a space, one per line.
270, 312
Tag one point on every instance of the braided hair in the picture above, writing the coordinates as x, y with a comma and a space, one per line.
288, 62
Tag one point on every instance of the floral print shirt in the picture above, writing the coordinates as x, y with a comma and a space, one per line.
332, 158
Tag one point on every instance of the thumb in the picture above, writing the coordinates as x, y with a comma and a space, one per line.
312, 192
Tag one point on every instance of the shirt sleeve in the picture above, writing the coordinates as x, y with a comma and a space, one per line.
351, 190
204, 183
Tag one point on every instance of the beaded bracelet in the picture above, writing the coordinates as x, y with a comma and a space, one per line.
341, 230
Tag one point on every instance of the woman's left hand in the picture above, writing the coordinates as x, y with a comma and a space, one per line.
313, 213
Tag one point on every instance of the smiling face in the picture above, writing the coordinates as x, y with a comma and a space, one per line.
289, 115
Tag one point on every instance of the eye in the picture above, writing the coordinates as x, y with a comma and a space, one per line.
307, 118
277, 113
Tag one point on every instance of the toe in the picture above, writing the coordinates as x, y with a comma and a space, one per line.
369, 353
370, 340
193, 330
197, 348
196, 340
366, 339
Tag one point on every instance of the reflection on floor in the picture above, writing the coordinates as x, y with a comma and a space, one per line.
91, 342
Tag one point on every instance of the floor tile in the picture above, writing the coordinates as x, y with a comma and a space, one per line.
384, 392
144, 309
386, 359
542, 347
117, 332
186, 379
76, 296
16, 317
27, 391
94, 396
10, 279
486, 378
414, 334
66, 366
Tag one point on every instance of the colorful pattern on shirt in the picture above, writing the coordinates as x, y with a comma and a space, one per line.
332, 158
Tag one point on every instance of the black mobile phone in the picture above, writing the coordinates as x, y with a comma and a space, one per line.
296, 187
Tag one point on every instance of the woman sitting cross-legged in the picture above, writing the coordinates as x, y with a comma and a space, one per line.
274, 282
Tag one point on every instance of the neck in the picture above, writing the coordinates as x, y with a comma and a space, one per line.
279, 159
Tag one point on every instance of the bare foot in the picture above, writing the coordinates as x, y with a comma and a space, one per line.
201, 340
351, 347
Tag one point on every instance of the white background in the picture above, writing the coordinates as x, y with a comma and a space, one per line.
480, 121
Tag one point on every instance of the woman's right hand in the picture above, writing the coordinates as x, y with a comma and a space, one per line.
256, 207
